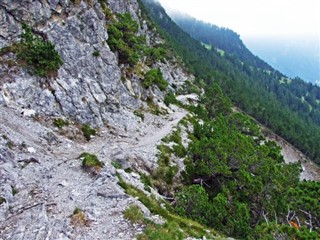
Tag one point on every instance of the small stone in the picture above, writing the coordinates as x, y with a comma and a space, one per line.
64, 183
31, 150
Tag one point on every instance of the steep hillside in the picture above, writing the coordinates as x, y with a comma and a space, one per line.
105, 134
290, 107
74, 116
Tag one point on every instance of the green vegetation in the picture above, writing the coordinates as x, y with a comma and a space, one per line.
10, 144
96, 53
163, 176
155, 54
240, 184
77, 211
251, 84
79, 219
60, 123
139, 114
2, 200
154, 76
176, 227
39, 55
134, 214
14, 190
170, 98
91, 162
124, 40
106, 11
88, 131
146, 180
116, 165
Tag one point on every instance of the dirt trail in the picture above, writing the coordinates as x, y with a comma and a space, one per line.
56, 185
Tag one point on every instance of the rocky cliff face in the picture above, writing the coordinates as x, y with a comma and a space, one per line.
87, 89
42, 180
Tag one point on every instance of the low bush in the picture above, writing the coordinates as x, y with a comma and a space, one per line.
134, 214
39, 54
60, 123
79, 219
154, 76
88, 131
90, 160
139, 114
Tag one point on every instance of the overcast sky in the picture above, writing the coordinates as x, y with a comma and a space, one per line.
294, 18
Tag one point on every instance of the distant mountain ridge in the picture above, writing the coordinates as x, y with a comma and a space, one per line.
295, 57
221, 38
292, 56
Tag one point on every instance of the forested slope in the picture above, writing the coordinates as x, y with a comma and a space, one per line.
290, 107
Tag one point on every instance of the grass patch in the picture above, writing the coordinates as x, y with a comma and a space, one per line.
146, 180
90, 160
14, 190
96, 53
179, 150
91, 163
154, 108
134, 214
10, 144
176, 227
139, 114
60, 123
176, 137
2, 200
79, 219
88, 131
116, 165
170, 98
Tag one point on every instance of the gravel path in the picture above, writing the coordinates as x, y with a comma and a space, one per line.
53, 185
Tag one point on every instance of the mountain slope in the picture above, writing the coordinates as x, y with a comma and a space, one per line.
104, 134
289, 107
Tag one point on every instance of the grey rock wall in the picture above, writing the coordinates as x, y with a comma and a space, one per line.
87, 88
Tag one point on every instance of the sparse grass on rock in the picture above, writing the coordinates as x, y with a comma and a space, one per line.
79, 218
91, 163
88, 132
134, 214
60, 123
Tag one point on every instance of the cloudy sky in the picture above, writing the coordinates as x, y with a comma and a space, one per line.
256, 17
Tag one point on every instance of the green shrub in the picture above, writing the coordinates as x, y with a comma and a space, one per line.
179, 150
139, 114
2, 200
96, 53
14, 190
77, 211
134, 214
60, 123
123, 39
79, 218
88, 131
154, 76
116, 165
170, 98
146, 180
106, 10
155, 54
176, 137
176, 227
39, 54
90, 160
